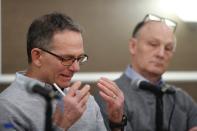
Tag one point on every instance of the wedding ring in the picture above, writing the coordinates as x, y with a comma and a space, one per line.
114, 97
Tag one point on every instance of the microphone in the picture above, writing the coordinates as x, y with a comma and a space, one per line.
155, 88
167, 89
47, 93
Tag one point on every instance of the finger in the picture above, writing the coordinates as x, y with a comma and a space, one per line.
105, 90
84, 100
83, 92
110, 84
83, 108
74, 88
107, 98
57, 115
107, 80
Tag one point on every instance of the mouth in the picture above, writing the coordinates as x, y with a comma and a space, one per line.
157, 63
66, 77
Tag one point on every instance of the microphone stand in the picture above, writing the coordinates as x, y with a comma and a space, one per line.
48, 95
48, 113
159, 112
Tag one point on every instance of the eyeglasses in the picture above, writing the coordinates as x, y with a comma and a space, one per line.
69, 60
151, 17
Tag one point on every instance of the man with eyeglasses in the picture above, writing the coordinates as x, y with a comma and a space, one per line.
150, 103
55, 52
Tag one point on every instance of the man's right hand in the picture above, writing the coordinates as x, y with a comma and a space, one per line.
73, 107
193, 129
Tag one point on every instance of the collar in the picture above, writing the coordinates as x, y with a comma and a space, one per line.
28, 81
135, 76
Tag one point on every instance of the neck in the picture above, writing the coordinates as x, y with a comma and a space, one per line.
153, 78
32, 74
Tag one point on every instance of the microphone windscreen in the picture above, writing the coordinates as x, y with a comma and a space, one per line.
149, 87
34, 87
155, 88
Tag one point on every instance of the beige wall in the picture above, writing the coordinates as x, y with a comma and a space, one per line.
108, 25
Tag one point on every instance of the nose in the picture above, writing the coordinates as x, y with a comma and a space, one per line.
75, 67
161, 51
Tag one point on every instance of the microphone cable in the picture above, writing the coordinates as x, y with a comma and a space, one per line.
172, 112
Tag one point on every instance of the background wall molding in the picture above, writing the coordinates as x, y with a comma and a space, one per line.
170, 76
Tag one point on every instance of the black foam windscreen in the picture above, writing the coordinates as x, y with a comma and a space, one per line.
43, 91
155, 88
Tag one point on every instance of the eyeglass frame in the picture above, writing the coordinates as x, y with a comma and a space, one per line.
61, 58
161, 19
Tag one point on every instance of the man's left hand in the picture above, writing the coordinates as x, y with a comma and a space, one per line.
113, 97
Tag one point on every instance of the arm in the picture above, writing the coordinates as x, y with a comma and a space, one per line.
192, 115
193, 129
9, 120
191, 106
184, 100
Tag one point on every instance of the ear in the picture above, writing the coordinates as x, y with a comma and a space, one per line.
36, 57
132, 45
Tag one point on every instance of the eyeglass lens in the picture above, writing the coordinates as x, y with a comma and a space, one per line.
168, 22
70, 61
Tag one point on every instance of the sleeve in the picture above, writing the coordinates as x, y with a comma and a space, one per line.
8, 121
189, 106
56, 128
100, 122
102, 108
192, 113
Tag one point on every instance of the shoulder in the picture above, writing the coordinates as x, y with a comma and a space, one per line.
126, 84
14, 94
181, 94
183, 99
123, 81
16, 100
10, 94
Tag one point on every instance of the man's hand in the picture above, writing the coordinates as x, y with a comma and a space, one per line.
113, 97
74, 105
193, 129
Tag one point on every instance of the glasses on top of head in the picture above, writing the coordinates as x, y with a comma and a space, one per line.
69, 60
151, 17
